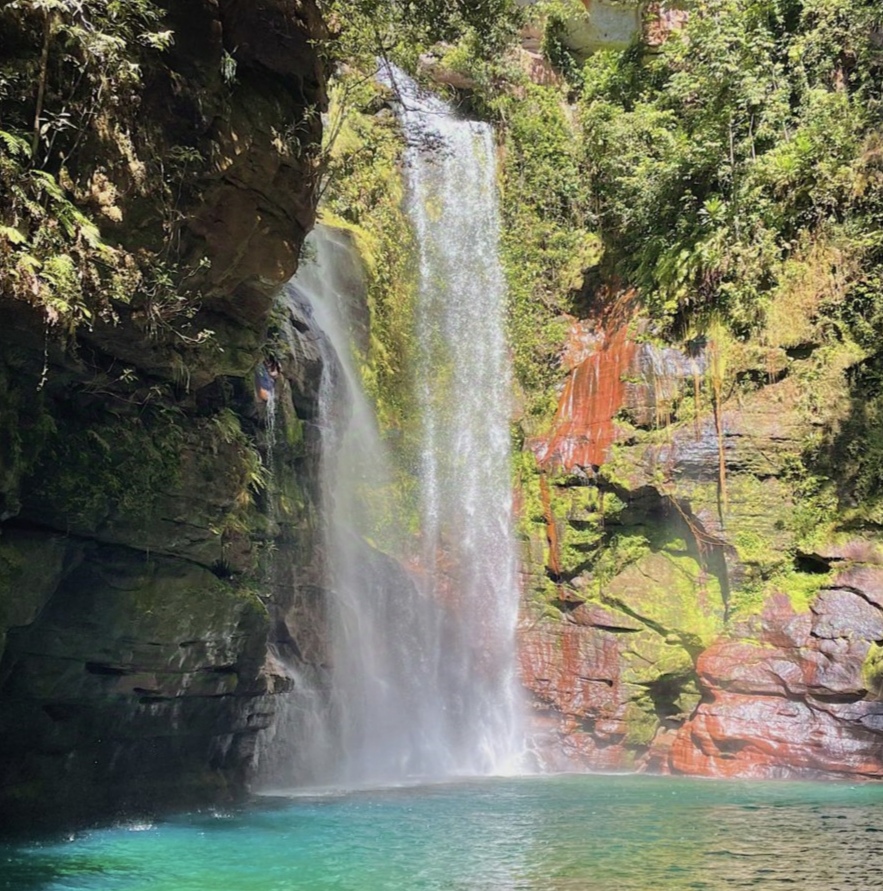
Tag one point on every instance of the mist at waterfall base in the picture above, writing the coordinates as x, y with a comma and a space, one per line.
569, 833
422, 675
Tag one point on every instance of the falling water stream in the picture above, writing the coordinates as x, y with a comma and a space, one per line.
463, 387
423, 680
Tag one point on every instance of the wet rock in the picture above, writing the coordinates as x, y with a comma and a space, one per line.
611, 375
600, 696
794, 702
135, 520
594, 392
137, 683
753, 736
764, 657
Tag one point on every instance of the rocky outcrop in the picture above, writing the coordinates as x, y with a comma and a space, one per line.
792, 700
687, 609
615, 25
130, 683
605, 26
611, 660
137, 601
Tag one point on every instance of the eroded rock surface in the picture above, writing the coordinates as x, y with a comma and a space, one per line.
137, 601
674, 619
792, 701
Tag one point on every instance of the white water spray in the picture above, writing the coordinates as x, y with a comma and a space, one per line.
423, 678
464, 387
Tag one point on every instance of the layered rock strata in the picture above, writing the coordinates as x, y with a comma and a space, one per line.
676, 617
138, 599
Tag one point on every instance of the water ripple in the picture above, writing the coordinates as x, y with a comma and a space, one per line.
532, 834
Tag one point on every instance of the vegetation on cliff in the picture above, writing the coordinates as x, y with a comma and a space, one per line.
721, 178
69, 72
155, 192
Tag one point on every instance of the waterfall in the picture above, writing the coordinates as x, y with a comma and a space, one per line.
423, 681
463, 387
382, 628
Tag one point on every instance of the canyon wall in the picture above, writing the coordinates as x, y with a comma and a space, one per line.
139, 599
702, 571
685, 612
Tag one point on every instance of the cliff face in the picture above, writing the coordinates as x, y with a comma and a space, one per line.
137, 600
695, 603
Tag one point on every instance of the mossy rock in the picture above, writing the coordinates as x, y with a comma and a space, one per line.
128, 619
641, 722
872, 670
31, 566
801, 588
670, 591
650, 656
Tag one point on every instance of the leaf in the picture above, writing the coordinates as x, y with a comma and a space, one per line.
160, 40
13, 235
49, 184
15, 144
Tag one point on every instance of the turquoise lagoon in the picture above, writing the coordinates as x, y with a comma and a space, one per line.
629, 833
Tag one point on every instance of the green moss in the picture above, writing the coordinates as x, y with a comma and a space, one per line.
661, 672
365, 196
176, 601
751, 547
95, 466
801, 589
671, 591
641, 722
872, 670
746, 600
526, 474
620, 551
580, 526
689, 698
651, 656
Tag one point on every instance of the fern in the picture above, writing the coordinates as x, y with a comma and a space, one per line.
13, 235
15, 145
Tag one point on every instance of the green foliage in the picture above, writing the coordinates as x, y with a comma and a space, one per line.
68, 152
365, 194
99, 467
557, 16
69, 68
245, 463
710, 160
365, 30
547, 243
852, 453
51, 253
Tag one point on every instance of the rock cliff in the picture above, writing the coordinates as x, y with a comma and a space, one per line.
686, 609
137, 598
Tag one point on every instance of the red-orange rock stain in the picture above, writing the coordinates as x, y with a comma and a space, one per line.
594, 393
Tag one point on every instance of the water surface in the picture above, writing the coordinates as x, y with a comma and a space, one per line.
543, 833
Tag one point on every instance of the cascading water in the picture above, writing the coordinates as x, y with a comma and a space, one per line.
463, 387
423, 681
382, 628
